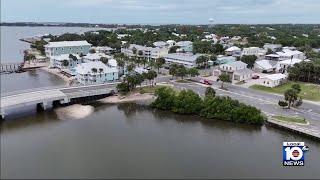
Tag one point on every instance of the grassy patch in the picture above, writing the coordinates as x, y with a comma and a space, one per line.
294, 119
182, 81
308, 91
148, 89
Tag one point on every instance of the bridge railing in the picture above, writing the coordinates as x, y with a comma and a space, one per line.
12, 93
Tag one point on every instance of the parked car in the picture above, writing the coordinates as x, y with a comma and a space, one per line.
255, 77
205, 81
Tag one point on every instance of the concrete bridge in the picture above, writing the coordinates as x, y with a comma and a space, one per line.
42, 97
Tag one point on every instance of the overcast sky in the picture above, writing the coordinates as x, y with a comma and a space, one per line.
162, 11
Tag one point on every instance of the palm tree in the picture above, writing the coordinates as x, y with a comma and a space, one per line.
94, 70
104, 60
291, 95
159, 63
224, 78
65, 63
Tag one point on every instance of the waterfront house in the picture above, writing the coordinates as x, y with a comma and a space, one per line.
104, 49
65, 61
273, 80
95, 73
186, 59
67, 47
185, 46
94, 57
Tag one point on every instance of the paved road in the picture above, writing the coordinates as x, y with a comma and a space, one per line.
265, 102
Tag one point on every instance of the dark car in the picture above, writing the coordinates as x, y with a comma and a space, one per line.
255, 77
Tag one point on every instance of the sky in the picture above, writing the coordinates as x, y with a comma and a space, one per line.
162, 11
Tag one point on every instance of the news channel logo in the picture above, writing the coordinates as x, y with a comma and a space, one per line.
294, 153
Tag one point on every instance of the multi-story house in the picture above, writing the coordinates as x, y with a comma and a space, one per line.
290, 54
185, 46
65, 61
237, 71
67, 47
95, 73
144, 52
186, 59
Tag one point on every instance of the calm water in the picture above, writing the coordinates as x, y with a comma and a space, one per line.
131, 140
12, 51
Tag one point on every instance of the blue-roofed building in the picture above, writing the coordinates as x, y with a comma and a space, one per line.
225, 60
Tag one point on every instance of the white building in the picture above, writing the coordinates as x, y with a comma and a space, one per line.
104, 49
171, 43
144, 52
186, 59
66, 47
233, 51
94, 57
95, 73
160, 44
288, 54
237, 71
250, 51
65, 61
273, 80
285, 64
265, 65
273, 47
185, 46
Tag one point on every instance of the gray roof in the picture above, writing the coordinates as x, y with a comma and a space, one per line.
244, 71
189, 57
237, 63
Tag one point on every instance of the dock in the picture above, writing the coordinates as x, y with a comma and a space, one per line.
31, 40
11, 67
303, 129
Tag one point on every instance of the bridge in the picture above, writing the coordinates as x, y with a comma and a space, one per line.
42, 97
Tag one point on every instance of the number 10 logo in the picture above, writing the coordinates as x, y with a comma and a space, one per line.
293, 153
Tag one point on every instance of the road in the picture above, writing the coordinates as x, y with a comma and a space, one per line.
266, 102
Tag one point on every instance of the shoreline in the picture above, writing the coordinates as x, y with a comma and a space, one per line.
56, 72
132, 97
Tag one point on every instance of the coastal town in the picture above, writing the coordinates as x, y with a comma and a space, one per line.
161, 89
228, 64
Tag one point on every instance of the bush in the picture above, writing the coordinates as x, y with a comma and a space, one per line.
283, 103
221, 108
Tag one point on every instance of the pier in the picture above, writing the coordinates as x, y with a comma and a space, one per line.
11, 67
304, 130
43, 97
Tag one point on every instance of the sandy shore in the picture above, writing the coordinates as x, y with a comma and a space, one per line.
76, 111
133, 97
57, 73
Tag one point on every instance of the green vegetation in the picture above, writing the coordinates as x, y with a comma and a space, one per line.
294, 119
224, 78
305, 72
211, 107
308, 91
148, 89
250, 60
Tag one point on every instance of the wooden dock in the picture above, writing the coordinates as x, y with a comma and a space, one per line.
305, 130
11, 67
31, 40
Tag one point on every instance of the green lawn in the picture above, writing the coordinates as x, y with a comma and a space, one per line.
294, 119
182, 81
148, 89
308, 91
